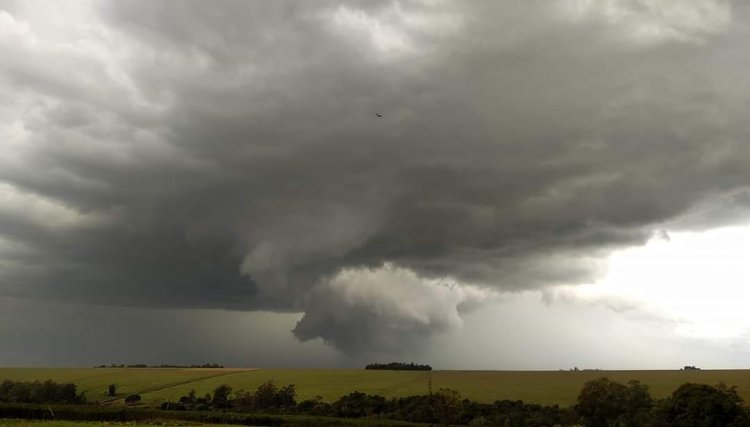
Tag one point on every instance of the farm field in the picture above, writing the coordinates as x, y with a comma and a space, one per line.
544, 387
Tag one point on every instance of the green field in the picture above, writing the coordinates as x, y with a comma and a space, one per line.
544, 387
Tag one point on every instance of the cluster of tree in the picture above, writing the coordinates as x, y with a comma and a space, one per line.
267, 397
399, 366
142, 365
690, 368
445, 406
604, 403
39, 392
205, 365
118, 415
601, 403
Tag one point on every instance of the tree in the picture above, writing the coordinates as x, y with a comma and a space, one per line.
286, 397
243, 401
265, 395
601, 402
39, 392
221, 396
701, 405
447, 405
604, 403
357, 404
639, 405
67, 393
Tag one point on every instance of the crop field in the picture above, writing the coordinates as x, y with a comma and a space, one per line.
544, 387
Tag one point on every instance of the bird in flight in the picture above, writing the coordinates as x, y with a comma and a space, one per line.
379, 115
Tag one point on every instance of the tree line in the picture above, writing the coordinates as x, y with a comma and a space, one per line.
398, 366
444, 406
142, 365
605, 403
39, 392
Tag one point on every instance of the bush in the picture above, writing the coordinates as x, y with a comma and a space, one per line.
357, 404
447, 406
221, 396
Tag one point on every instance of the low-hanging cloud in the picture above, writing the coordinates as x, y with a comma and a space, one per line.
227, 155
387, 309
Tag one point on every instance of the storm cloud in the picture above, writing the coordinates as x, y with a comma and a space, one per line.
228, 154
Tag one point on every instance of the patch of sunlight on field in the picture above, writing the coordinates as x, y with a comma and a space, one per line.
543, 387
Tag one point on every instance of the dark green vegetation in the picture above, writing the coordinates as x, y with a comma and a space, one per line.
605, 403
542, 387
600, 403
150, 416
398, 366
444, 407
48, 423
39, 392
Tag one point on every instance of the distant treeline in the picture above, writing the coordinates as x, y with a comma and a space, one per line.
141, 365
39, 392
398, 366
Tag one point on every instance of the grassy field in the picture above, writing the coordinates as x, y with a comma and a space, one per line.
545, 387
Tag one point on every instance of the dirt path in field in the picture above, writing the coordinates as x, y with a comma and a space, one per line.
178, 383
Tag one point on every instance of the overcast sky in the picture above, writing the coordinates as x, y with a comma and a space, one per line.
551, 183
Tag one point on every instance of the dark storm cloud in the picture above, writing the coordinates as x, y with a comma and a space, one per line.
193, 154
